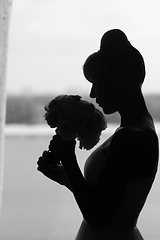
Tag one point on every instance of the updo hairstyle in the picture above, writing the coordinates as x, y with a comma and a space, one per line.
115, 52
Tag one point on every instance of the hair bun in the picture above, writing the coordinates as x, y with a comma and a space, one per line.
114, 47
115, 51
113, 39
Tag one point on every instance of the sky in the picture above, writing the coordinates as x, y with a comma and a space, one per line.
49, 41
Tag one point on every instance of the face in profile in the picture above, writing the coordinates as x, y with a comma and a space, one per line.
105, 92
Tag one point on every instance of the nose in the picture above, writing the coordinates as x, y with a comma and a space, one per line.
92, 92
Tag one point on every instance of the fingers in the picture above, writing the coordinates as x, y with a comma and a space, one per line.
42, 160
45, 154
43, 166
51, 172
61, 148
55, 142
40, 163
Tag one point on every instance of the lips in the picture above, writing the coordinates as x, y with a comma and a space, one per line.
98, 102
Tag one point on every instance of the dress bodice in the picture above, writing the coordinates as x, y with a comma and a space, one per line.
95, 163
122, 225
135, 194
93, 166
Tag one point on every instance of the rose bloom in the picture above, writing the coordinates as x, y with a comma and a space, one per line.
53, 117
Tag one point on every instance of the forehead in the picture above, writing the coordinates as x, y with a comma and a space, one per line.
101, 80
100, 74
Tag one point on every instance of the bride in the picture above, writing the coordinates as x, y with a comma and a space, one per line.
119, 174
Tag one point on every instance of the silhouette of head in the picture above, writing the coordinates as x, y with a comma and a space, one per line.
118, 56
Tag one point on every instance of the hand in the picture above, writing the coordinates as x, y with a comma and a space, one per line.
53, 171
62, 149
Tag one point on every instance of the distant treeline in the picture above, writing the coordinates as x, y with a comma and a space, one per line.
30, 109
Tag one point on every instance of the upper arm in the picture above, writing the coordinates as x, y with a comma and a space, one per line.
147, 155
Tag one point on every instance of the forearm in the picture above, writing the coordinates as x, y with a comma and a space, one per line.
84, 194
92, 211
81, 190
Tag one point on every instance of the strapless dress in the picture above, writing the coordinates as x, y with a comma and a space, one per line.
123, 224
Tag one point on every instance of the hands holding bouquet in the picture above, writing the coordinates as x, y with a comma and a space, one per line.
73, 119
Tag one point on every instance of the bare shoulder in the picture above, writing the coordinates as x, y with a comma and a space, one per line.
125, 136
138, 143
142, 145
136, 134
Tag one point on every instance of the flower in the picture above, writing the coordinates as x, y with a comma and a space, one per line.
75, 118
67, 130
90, 131
53, 117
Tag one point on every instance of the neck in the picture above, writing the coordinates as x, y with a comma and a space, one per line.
134, 110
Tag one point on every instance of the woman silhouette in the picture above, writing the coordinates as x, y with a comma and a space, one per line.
119, 174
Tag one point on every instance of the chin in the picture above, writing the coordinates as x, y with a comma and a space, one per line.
109, 111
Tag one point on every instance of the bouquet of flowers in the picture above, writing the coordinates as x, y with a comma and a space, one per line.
75, 118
